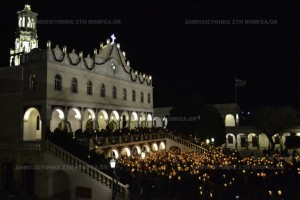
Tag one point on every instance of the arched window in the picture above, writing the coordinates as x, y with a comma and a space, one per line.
102, 90
229, 120
230, 139
74, 86
114, 92
57, 84
28, 22
133, 95
149, 98
142, 97
124, 94
17, 44
113, 68
32, 83
89, 88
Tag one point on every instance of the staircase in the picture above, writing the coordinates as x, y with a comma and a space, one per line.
87, 170
104, 182
186, 143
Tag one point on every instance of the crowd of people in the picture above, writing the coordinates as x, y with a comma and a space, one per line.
218, 174
99, 136
215, 174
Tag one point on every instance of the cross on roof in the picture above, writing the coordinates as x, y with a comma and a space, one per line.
113, 37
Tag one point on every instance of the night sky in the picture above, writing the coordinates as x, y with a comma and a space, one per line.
183, 58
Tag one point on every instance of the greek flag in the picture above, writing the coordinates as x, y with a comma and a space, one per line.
239, 82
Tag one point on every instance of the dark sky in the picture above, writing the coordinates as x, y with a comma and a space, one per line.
184, 58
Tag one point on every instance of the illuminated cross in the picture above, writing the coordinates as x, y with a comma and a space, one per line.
113, 37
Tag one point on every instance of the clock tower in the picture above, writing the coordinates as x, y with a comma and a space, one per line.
26, 35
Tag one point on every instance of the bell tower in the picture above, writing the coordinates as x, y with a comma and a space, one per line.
26, 35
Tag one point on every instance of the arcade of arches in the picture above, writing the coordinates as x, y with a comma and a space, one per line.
249, 139
74, 119
136, 149
254, 141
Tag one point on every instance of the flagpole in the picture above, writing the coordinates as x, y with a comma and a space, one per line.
235, 90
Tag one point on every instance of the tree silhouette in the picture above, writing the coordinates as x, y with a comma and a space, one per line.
275, 120
212, 125
193, 117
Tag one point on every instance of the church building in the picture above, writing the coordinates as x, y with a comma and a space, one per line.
51, 88
45, 89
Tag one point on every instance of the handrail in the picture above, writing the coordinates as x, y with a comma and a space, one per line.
86, 169
153, 136
186, 143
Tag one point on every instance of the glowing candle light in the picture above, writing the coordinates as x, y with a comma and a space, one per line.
279, 192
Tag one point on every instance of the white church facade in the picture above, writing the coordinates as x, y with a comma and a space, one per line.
56, 88
45, 89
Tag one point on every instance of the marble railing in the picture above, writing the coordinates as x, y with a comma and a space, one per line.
112, 140
87, 169
186, 143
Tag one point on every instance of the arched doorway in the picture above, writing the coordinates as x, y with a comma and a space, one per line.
124, 119
57, 120
136, 150
229, 120
114, 120
113, 153
277, 139
253, 140
102, 119
242, 140
230, 140
149, 121
125, 151
61, 186
142, 119
74, 119
164, 122
283, 139
154, 147
161, 146
146, 147
88, 120
133, 120
263, 141
32, 125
